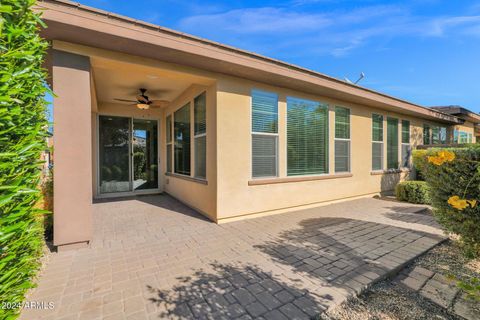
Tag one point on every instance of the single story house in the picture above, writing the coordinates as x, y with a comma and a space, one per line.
142, 109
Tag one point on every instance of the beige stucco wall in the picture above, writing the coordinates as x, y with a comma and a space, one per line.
469, 128
72, 147
236, 197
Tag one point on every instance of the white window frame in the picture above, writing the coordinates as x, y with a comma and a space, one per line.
378, 142
342, 139
253, 133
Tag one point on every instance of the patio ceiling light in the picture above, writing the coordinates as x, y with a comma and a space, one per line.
143, 106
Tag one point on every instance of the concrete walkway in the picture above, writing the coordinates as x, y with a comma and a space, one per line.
154, 258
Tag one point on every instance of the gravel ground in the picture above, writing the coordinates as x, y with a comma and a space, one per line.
388, 300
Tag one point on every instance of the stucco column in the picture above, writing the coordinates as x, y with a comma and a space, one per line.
72, 138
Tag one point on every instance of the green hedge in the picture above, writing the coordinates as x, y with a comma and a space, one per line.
413, 192
453, 175
23, 127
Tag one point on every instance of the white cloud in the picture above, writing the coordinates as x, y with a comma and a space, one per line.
336, 33
258, 20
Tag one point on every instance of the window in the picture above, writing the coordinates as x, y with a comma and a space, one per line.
377, 142
455, 136
200, 135
443, 135
264, 134
392, 143
182, 140
406, 150
435, 135
426, 134
307, 137
470, 138
342, 139
463, 137
169, 143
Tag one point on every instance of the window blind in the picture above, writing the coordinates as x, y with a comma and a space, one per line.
264, 112
264, 155
169, 143
426, 134
435, 135
406, 152
377, 130
377, 155
406, 149
200, 157
342, 139
307, 137
405, 131
200, 129
200, 111
443, 135
392, 143
264, 133
182, 140
377, 142
342, 155
342, 123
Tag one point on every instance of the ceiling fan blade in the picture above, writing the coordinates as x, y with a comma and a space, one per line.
124, 100
158, 103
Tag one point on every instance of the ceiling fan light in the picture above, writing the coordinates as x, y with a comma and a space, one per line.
143, 106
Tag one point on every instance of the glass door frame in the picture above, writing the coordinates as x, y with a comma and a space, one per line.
132, 192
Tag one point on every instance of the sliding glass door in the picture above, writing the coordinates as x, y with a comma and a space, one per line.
114, 151
127, 155
145, 155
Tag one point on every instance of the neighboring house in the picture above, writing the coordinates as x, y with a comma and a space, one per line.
468, 131
228, 132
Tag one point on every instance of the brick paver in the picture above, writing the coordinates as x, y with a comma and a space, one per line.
439, 290
152, 257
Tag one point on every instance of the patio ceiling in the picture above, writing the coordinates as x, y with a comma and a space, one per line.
121, 80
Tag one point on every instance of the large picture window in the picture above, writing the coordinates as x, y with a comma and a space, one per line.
307, 137
182, 140
392, 143
342, 139
264, 134
200, 137
377, 142
406, 149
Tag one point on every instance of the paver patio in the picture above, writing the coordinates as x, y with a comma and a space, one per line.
153, 257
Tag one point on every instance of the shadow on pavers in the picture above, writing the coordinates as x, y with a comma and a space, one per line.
234, 291
343, 254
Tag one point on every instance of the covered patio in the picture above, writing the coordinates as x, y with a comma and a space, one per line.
152, 257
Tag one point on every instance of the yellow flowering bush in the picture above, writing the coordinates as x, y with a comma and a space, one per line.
453, 176
441, 157
460, 204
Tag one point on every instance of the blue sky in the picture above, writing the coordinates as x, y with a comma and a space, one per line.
424, 51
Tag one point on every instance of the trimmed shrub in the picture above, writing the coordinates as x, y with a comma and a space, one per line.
453, 175
413, 192
23, 128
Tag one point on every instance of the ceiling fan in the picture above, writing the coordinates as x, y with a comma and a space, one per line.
143, 102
